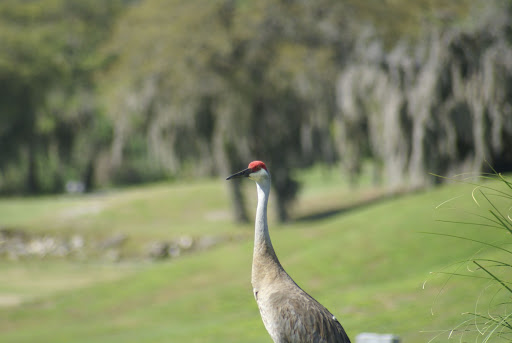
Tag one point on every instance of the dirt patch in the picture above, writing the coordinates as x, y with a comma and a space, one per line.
9, 300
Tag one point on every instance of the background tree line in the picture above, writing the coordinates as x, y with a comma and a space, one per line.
132, 91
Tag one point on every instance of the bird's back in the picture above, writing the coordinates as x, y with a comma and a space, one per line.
291, 315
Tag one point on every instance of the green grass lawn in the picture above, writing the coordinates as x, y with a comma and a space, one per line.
366, 265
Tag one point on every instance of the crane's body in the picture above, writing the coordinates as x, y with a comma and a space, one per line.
289, 314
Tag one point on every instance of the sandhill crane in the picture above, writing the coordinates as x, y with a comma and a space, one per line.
289, 314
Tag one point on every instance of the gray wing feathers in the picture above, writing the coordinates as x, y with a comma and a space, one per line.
303, 319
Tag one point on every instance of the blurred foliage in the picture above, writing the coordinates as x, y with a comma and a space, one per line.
135, 91
223, 83
395, 20
51, 122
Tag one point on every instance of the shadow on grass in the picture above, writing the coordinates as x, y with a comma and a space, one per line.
368, 201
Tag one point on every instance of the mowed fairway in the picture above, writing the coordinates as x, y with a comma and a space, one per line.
366, 264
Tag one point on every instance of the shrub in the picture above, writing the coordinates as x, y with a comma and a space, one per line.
489, 269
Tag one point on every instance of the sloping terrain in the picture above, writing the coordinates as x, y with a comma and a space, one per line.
367, 265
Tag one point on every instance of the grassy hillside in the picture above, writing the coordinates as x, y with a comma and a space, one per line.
367, 265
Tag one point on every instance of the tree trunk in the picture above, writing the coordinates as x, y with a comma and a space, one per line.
32, 181
237, 199
282, 212
89, 176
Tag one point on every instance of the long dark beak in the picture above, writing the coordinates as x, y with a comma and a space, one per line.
243, 173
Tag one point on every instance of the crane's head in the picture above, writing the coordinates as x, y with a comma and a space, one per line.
256, 171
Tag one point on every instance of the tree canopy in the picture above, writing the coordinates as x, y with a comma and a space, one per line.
48, 54
134, 91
